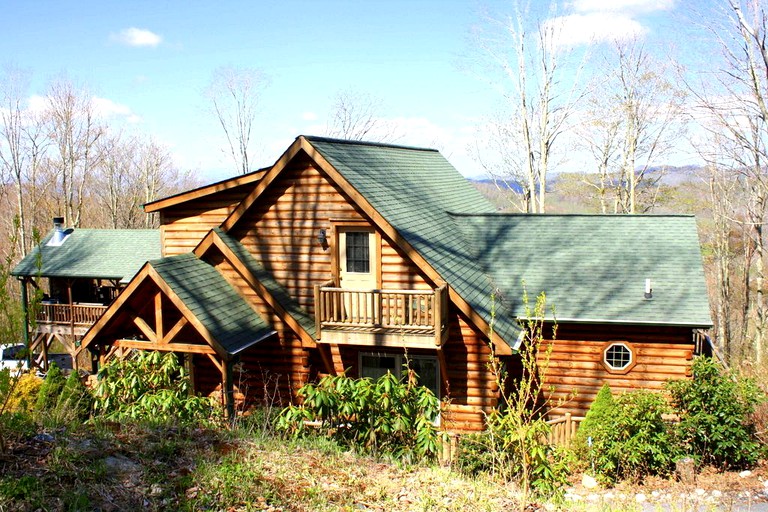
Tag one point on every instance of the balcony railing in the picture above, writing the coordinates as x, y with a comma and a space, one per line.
381, 317
70, 314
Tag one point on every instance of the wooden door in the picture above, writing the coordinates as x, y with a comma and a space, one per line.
358, 272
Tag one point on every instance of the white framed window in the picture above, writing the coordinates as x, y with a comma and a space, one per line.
618, 356
376, 364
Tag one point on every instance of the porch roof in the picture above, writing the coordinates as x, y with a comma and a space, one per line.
210, 298
115, 254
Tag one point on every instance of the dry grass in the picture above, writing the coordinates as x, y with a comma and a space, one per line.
114, 467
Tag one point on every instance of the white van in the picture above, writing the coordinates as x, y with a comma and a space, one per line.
13, 357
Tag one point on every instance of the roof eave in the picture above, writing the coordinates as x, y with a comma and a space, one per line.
693, 325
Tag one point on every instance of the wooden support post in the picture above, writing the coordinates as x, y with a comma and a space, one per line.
325, 355
25, 312
318, 312
444, 371
159, 316
229, 392
338, 364
72, 324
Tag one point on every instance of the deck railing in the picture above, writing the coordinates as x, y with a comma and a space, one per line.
563, 429
424, 311
69, 314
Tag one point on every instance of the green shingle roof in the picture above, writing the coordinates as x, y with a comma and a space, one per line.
224, 313
593, 268
414, 189
93, 253
277, 291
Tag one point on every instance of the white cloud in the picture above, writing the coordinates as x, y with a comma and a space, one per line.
106, 108
625, 6
37, 104
137, 37
595, 27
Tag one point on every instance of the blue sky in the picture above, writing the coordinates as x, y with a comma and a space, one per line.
150, 61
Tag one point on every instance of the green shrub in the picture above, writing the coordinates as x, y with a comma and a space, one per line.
715, 410
597, 418
50, 389
385, 416
149, 387
629, 437
76, 397
506, 445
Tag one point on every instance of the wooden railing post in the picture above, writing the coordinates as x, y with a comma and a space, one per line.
437, 316
319, 311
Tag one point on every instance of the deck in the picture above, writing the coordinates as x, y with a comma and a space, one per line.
384, 318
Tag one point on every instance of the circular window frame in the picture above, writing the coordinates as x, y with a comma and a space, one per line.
632, 357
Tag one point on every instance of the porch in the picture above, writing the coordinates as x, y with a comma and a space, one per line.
382, 318
78, 316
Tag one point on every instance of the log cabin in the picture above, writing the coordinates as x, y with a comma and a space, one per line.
78, 273
348, 256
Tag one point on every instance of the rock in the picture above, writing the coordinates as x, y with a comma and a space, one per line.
745, 474
640, 497
685, 470
120, 464
717, 494
588, 482
700, 492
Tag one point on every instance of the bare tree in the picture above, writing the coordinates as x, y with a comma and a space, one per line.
635, 116
22, 148
235, 94
357, 116
733, 110
541, 94
75, 131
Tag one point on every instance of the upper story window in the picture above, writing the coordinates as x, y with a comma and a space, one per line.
618, 357
358, 251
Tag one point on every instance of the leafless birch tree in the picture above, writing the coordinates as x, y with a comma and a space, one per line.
357, 116
75, 131
540, 94
634, 117
23, 144
235, 94
733, 110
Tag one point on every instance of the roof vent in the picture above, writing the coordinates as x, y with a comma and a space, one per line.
59, 235
648, 290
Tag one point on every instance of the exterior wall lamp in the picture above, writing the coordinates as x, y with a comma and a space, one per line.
322, 238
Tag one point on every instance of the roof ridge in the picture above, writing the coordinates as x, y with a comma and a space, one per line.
316, 138
591, 215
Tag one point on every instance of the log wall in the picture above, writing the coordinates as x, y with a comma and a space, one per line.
183, 226
576, 370
281, 232
471, 391
274, 369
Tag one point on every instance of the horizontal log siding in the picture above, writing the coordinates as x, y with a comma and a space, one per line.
281, 229
473, 392
183, 226
576, 366
398, 272
278, 366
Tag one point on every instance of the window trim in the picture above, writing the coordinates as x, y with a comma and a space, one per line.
632, 357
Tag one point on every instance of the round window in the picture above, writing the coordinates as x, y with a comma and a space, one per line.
618, 357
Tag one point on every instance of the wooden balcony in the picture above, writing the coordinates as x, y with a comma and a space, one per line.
383, 318
76, 318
